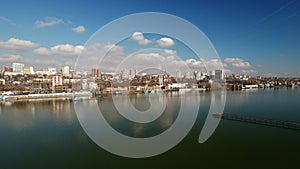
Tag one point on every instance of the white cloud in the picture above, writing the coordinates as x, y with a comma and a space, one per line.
170, 52
79, 29
139, 38
113, 50
144, 42
165, 42
59, 50
17, 44
67, 50
9, 21
42, 51
96, 55
233, 60
142, 61
105, 56
162, 61
48, 21
241, 64
237, 62
248, 71
63, 54
10, 58
191, 60
149, 57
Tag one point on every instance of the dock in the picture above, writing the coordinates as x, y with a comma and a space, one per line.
262, 121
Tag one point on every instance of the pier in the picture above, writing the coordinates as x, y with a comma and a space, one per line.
262, 121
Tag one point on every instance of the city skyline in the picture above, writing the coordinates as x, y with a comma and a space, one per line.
65, 70
251, 38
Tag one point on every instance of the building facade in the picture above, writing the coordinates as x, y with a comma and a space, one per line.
65, 70
57, 80
219, 75
95, 72
18, 67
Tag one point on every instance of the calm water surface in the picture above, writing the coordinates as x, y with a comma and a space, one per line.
47, 134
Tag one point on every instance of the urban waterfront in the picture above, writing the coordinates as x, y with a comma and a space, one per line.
46, 134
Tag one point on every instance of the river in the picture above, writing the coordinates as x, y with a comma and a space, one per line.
47, 134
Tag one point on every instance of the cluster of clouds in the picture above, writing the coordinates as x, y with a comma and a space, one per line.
238, 63
116, 58
167, 57
170, 52
15, 50
62, 50
142, 61
139, 38
17, 44
52, 21
48, 21
163, 58
163, 42
22, 45
21, 50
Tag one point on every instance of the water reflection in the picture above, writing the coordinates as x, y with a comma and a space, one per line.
21, 115
279, 104
135, 129
48, 132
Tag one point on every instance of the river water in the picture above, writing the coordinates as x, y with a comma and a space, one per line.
47, 134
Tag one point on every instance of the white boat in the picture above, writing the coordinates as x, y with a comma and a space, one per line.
82, 93
8, 93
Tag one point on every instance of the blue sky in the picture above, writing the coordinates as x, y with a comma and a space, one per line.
262, 37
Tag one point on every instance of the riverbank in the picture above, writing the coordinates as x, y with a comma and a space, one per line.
46, 96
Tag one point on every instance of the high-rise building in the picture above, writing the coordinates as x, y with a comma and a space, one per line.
65, 70
95, 72
18, 67
124, 74
218, 75
198, 76
132, 73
